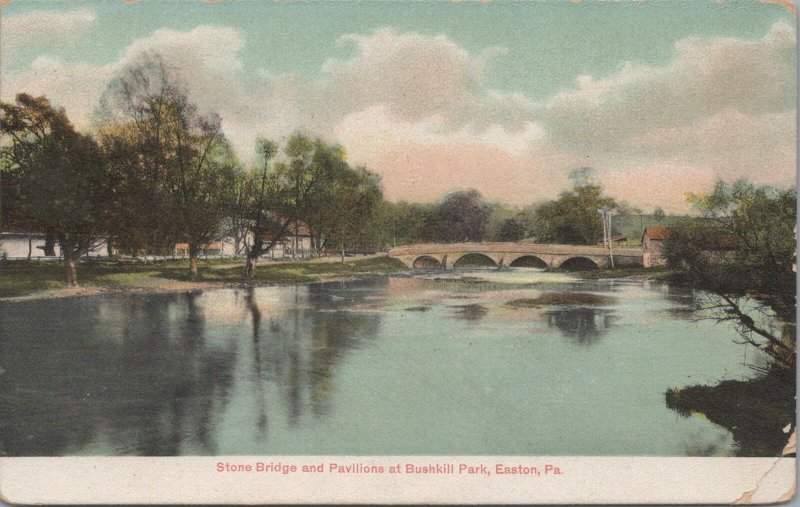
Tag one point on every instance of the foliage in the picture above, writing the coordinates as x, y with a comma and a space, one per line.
174, 165
253, 218
402, 223
511, 229
742, 252
755, 411
573, 218
354, 196
460, 216
327, 172
55, 177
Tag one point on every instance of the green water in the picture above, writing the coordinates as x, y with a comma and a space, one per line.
436, 364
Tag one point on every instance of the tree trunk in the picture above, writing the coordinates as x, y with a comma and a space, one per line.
252, 257
69, 266
50, 245
342, 253
193, 249
250, 267
30, 247
294, 241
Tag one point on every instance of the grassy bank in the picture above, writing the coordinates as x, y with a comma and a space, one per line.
754, 411
22, 278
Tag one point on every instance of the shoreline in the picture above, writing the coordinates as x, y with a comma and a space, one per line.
267, 275
172, 287
147, 279
759, 412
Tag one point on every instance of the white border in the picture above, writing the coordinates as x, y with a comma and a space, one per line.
610, 480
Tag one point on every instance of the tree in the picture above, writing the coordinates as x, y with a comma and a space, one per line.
461, 216
658, 213
355, 195
511, 229
237, 224
317, 206
260, 191
56, 177
168, 150
740, 253
573, 218
265, 195
402, 223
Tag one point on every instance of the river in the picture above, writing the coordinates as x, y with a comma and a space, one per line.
431, 364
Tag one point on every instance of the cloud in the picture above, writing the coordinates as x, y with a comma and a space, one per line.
416, 108
41, 29
417, 76
424, 158
77, 87
723, 107
705, 77
206, 58
733, 144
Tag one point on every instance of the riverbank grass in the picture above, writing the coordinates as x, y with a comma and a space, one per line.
24, 278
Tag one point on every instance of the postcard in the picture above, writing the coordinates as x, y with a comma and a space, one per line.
449, 252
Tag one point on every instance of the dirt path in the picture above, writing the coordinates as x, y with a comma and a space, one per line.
318, 260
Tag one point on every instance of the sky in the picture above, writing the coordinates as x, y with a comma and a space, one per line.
660, 97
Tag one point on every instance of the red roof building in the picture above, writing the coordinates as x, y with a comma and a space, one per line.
653, 244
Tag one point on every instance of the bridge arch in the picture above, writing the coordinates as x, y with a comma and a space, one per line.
474, 259
528, 261
578, 264
426, 262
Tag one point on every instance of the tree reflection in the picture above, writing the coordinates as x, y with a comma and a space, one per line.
583, 326
305, 345
472, 312
142, 375
47, 378
150, 375
262, 418
255, 312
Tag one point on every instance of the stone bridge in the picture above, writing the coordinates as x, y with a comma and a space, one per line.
569, 257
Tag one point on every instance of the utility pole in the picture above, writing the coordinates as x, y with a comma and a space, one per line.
605, 214
602, 212
610, 242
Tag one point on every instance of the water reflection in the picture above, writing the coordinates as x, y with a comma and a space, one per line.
150, 390
339, 368
297, 349
473, 312
151, 376
255, 312
702, 446
583, 326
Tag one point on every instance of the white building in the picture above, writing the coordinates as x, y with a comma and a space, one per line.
23, 245
15, 245
295, 243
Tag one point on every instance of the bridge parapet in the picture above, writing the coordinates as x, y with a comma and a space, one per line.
505, 253
544, 248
